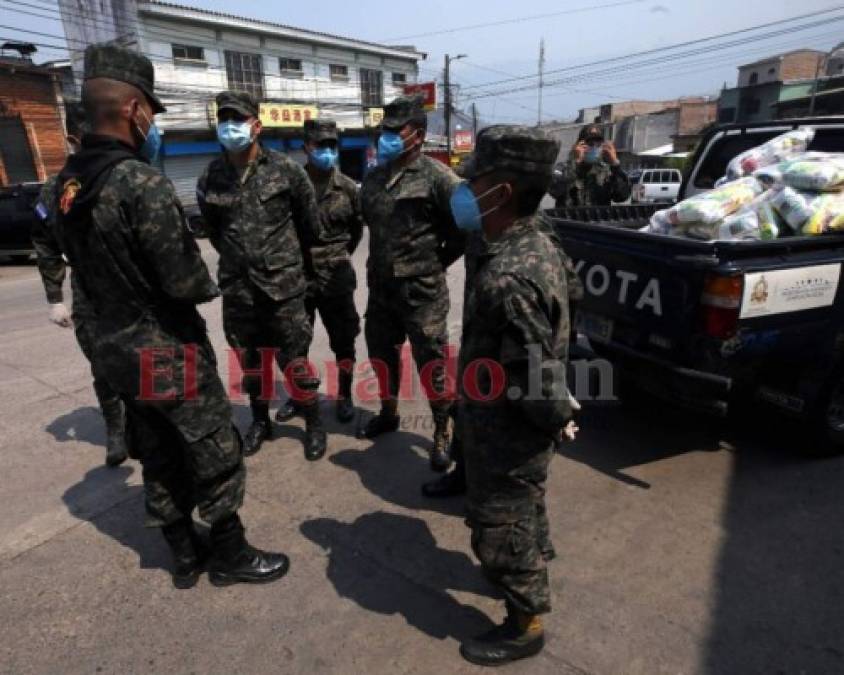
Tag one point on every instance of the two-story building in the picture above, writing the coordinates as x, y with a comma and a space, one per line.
296, 74
764, 84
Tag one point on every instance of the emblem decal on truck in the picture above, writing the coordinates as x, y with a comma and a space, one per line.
783, 291
598, 280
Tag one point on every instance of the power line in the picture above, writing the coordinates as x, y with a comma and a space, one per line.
660, 50
661, 61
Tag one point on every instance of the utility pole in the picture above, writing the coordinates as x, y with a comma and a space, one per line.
474, 120
447, 102
541, 74
815, 86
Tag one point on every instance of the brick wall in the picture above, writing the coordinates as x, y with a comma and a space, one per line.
800, 65
695, 115
32, 95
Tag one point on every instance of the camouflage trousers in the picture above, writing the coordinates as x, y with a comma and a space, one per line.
252, 322
181, 470
413, 309
84, 324
340, 318
511, 538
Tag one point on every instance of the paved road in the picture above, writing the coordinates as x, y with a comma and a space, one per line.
684, 547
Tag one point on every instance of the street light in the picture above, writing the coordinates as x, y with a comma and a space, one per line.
447, 103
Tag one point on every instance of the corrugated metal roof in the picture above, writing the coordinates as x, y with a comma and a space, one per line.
315, 35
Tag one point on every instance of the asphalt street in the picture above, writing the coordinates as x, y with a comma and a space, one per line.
685, 545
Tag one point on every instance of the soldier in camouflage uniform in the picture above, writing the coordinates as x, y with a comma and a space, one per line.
405, 203
52, 267
332, 289
516, 317
592, 176
262, 218
123, 231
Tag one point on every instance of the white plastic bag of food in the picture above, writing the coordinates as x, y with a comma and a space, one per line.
659, 223
819, 175
756, 220
827, 214
792, 206
709, 208
776, 150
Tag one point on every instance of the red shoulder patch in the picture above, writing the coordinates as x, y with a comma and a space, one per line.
69, 191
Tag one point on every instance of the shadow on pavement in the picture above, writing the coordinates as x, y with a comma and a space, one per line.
83, 424
393, 471
613, 438
391, 564
97, 499
779, 584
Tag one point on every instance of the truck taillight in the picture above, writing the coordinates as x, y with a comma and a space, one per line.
720, 305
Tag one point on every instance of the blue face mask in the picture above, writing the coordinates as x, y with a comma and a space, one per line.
234, 136
390, 147
465, 209
324, 159
152, 141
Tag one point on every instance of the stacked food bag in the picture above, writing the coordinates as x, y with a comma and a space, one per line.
776, 189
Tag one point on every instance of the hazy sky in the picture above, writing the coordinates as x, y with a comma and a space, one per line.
609, 28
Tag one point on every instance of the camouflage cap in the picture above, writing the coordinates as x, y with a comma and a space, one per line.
404, 109
123, 65
320, 130
510, 147
239, 101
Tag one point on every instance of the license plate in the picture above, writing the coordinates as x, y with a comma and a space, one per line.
594, 327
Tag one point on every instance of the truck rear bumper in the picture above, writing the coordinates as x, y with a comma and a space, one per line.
692, 389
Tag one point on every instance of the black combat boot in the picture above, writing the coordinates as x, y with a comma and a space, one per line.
259, 431
384, 422
452, 484
288, 411
438, 454
315, 440
345, 409
235, 561
115, 419
521, 635
189, 553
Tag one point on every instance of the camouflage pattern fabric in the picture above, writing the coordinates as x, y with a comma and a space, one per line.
413, 240
332, 290
518, 301
52, 268
415, 309
264, 224
253, 321
143, 275
589, 184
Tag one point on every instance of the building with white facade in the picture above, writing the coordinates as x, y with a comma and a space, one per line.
295, 73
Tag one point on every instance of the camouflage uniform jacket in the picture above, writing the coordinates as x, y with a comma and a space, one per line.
48, 251
340, 232
51, 262
585, 184
262, 223
142, 271
518, 303
411, 229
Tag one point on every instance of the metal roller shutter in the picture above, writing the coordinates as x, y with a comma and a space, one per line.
184, 171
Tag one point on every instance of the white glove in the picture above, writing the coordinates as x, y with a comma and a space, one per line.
59, 315
570, 431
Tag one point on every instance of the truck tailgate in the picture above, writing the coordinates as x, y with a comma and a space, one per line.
640, 291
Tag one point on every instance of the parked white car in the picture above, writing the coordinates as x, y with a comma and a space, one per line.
656, 185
